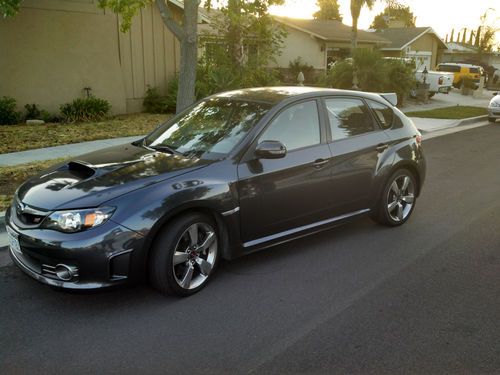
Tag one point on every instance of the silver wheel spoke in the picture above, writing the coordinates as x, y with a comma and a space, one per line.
395, 188
205, 267
406, 182
193, 234
209, 240
180, 257
410, 198
400, 211
188, 276
391, 206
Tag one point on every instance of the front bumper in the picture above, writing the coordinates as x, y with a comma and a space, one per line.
494, 112
105, 256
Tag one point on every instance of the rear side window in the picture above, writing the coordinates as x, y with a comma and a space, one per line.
449, 68
474, 70
348, 117
383, 113
295, 127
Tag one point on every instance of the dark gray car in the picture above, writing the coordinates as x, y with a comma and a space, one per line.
235, 173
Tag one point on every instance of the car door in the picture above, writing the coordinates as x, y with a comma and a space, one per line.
358, 144
277, 195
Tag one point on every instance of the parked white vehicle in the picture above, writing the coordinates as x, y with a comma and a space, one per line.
438, 82
494, 108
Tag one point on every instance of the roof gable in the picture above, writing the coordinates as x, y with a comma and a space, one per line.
402, 37
330, 30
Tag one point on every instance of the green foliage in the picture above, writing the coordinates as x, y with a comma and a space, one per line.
375, 74
127, 9
328, 10
156, 103
88, 109
35, 113
394, 11
9, 8
298, 65
8, 113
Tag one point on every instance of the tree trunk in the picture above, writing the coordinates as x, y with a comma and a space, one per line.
235, 41
354, 45
189, 56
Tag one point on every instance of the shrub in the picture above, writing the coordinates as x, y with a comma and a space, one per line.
400, 79
88, 109
8, 113
153, 102
298, 65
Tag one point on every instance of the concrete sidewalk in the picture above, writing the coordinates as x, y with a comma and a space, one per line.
41, 154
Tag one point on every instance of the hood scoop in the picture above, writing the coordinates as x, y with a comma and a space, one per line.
80, 169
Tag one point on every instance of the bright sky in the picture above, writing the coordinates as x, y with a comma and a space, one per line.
441, 15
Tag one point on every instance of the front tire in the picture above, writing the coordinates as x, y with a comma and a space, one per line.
491, 119
184, 255
398, 199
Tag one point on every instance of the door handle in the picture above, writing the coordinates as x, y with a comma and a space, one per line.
318, 163
382, 147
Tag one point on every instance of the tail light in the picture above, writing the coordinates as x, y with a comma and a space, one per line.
440, 80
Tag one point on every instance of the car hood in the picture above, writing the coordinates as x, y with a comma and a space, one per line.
92, 179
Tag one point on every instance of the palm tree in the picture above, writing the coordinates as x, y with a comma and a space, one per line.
356, 6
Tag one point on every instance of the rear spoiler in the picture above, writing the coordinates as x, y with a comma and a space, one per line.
391, 98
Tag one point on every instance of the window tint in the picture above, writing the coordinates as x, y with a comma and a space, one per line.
383, 113
474, 70
348, 117
295, 127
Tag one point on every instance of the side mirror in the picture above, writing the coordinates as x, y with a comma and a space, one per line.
270, 150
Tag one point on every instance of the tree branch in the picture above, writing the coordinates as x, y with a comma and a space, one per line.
169, 21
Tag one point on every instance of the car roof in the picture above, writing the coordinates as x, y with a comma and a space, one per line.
465, 65
274, 95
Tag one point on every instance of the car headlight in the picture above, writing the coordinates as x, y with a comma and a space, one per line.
71, 221
494, 104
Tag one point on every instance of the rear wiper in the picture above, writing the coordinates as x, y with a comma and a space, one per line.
166, 148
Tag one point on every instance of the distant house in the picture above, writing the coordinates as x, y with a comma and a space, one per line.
462, 52
320, 43
420, 43
52, 49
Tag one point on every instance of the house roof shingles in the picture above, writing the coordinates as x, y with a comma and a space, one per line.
401, 36
331, 30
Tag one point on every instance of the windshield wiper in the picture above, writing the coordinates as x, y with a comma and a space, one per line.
166, 148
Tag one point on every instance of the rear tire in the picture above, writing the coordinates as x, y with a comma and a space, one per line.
398, 199
184, 255
491, 119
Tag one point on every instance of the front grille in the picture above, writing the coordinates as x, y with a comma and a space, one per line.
27, 215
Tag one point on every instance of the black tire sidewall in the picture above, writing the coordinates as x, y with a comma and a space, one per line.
161, 272
383, 212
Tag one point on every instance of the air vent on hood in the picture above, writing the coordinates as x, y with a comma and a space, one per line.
80, 169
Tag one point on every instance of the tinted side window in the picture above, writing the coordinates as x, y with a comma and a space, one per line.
383, 113
295, 127
348, 117
474, 70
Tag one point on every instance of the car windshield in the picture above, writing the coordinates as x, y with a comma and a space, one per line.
210, 129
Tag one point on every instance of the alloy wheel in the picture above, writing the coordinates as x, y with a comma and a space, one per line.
194, 256
400, 198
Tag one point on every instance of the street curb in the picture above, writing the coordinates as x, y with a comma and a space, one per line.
462, 122
472, 120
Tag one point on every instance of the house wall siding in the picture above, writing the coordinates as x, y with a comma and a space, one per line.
52, 49
299, 44
427, 43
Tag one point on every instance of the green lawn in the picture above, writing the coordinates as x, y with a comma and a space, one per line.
26, 137
12, 177
454, 113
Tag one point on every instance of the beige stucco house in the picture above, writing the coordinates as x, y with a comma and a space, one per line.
52, 49
320, 43
421, 43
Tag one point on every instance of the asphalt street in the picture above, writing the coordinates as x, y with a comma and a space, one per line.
359, 299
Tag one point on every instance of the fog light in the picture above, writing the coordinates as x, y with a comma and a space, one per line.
64, 272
